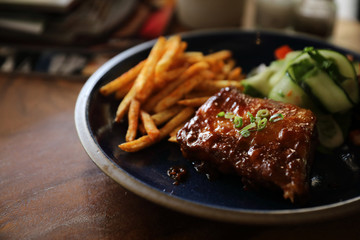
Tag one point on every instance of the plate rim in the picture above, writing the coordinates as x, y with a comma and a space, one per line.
96, 154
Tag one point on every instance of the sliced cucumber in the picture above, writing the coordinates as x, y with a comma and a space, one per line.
356, 66
265, 80
280, 72
321, 88
324, 81
347, 78
259, 82
289, 92
329, 132
329, 94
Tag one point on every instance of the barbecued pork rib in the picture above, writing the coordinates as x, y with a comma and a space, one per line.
280, 155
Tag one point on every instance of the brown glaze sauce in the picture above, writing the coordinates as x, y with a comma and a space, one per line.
179, 174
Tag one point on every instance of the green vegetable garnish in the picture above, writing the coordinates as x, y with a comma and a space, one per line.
229, 115
263, 113
256, 123
221, 114
245, 132
238, 121
262, 124
276, 117
252, 118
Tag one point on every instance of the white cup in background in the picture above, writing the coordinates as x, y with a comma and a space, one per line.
210, 13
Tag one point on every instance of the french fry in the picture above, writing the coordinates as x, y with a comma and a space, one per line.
192, 70
141, 128
235, 73
137, 145
169, 76
228, 66
178, 59
217, 56
207, 74
121, 93
173, 139
217, 85
182, 116
220, 76
162, 117
178, 93
181, 50
193, 57
198, 94
149, 125
123, 80
124, 104
151, 103
177, 128
217, 66
144, 83
193, 102
133, 115
146, 141
172, 46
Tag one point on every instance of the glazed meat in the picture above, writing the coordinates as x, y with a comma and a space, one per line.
278, 156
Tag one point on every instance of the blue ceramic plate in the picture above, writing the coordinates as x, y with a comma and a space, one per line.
335, 193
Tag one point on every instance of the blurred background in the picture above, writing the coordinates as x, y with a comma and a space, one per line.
72, 38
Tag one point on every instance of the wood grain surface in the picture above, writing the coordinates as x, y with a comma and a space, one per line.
50, 188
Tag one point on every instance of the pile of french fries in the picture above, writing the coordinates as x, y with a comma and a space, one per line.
161, 93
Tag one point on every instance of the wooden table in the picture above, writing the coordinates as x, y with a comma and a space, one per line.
50, 188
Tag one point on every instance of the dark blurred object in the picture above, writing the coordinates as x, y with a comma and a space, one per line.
315, 17
197, 14
274, 14
70, 63
86, 22
38, 5
75, 44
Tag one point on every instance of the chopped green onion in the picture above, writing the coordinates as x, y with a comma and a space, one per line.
229, 115
256, 123
262, 124
308, 49
238, 121
249, 126
252, 119
245, 132
221, 114
263, 113
276, 117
